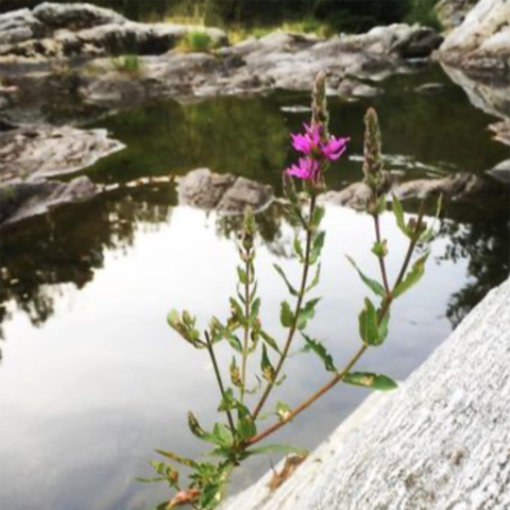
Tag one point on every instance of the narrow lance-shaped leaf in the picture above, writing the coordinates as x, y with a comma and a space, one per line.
318, 348
269, 341
398, 211
278, 448
375, 286
318, 214
286, 315
280, 271
265, 365
427, 235
177, 458
370, 380
412, 277
235, 374
316, 278
317, 245
298, 249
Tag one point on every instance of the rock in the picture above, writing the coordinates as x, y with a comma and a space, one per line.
81, 29
429, 87
501, 172
451, 13
501, 131
35, 152
18, 26
75, 16
458, 186
440, 441
482, 41
224, 192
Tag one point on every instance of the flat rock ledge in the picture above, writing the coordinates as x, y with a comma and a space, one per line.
30, 155
441, 441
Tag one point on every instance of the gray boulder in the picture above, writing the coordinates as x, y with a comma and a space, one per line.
224, 192
75, 16
18, 26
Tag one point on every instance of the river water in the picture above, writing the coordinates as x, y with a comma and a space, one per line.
91, 377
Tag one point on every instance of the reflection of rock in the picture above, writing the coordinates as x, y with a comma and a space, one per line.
224, 192
354, 88
53, 29
24, 199
30, 154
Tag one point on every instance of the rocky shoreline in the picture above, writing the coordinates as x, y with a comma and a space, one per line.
62, 54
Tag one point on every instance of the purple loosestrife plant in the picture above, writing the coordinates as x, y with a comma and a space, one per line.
238, 432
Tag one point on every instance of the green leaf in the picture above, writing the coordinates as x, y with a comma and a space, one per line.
246, 428
318, 243
412, 277
265, 365
233, 340
254, 311
398, 211
278, 448
368, 327
235, 374
318, 348
383, 326
286, 315
221, 435
318, 214
316, 278
375, 286
428, 234
280, 271
228, 401
177, 458
298, 249
270, 341
242, 275
306, 313
370, 380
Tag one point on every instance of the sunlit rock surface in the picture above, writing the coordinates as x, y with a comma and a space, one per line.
440, 441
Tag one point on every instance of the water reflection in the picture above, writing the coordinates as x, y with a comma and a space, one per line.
107, 374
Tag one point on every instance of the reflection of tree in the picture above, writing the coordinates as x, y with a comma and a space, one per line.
269, 227
40, 257
240, 136
479, 233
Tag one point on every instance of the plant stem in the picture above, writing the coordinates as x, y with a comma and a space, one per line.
246, 326
218, 378
382, 264
292, 330
309, 401
340, 375
412, 245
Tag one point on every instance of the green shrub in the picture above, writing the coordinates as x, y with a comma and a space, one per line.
423, 12
199, 41
127, 64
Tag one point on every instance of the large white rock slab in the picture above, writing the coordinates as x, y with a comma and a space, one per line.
442, 441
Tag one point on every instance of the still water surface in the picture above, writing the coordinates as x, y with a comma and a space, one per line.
92, 379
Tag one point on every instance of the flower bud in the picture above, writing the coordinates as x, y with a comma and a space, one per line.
372, 163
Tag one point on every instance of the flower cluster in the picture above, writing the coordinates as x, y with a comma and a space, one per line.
317, 149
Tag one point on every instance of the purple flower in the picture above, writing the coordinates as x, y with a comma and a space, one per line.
308, 142
307, 168
334, 147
